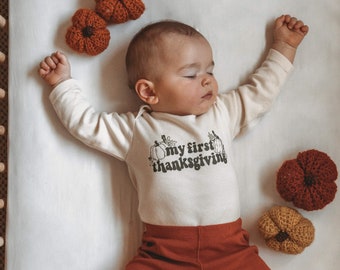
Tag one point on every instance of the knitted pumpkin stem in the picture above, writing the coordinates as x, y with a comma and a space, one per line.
309, 180
281, 236
88, 31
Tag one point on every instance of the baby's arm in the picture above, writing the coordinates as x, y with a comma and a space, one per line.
107, 132
288, 34
55, 69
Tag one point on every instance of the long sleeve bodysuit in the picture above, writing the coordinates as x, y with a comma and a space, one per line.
181, 166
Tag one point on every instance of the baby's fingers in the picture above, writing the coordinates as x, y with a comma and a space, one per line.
304, 29
301, 27
44, 66
44, 69
60, 58
292, 22
298, 24
51, 61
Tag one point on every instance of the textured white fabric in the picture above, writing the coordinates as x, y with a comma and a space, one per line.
74, 208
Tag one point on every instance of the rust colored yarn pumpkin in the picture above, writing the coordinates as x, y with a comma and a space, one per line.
88, 34
308, 181
285, 229
119, 11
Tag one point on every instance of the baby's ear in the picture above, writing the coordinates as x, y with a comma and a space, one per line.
146, 92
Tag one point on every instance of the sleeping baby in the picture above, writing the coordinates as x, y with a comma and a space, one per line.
177, 146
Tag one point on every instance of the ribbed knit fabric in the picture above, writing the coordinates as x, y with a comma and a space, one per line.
285, 229
119, 11
88, 34
308, 181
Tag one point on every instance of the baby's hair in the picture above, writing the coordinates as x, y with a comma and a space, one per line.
145, 45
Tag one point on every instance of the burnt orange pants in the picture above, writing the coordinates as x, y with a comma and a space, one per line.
214, 247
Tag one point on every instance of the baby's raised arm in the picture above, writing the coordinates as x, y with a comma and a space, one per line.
55, 69
288, 34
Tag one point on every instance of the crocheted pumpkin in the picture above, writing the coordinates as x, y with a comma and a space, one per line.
308, 180
119, 11
88, 34
285, 229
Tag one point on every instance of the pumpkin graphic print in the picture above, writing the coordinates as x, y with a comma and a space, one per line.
158, 150
167, 155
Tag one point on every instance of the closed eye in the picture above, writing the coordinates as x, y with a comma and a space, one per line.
195, 75
190, 76
192, 71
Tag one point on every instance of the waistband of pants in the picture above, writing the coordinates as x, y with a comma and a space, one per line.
191, 232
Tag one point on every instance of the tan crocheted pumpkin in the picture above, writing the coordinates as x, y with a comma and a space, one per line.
88, 34
285, 229
119, 11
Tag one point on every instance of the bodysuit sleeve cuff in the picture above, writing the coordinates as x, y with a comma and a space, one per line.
63, 87
281, 59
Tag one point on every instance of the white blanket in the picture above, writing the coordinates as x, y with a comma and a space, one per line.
71, 207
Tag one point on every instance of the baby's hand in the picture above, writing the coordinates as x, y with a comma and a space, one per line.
55, 69
289, 30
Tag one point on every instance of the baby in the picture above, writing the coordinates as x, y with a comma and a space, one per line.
177, 146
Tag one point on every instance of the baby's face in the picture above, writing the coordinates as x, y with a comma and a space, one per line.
185, 84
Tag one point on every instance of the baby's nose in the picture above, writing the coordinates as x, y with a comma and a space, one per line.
205, 81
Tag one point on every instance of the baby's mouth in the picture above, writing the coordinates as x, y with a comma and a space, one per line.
208, 95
